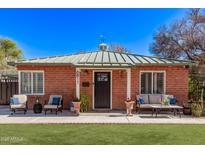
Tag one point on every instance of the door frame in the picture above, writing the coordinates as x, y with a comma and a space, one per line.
94, 71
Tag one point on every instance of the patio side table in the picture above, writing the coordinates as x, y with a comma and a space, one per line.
37, 108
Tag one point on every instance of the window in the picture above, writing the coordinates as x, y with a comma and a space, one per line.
31, 82
25, 82
146, 83
152, 83
37, 82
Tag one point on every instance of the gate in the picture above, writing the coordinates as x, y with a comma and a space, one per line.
8, 87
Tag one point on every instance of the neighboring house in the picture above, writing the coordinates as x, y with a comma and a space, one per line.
8, 84
109, 78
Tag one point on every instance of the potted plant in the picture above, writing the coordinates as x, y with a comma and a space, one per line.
76, 105
196, 109
85, 103
129, 106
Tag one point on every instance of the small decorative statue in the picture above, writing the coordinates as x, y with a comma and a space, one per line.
129, 106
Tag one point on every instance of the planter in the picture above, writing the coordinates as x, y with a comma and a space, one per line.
76, 106
37, 108
196, 109
187, 109
197, 113
129, 107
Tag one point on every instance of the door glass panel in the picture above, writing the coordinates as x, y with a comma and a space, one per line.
102, 77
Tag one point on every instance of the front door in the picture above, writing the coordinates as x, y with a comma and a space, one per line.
102, 90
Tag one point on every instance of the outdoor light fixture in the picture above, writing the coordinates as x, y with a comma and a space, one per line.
86, 72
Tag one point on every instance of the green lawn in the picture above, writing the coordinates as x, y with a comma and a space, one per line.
102, 134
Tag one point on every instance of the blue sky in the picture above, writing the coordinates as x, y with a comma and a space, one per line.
50, 32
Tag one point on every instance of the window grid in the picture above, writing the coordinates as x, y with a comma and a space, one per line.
152, 81
32, 86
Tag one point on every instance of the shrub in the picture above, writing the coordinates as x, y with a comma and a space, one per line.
85, 102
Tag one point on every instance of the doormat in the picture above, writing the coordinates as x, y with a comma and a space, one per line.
153, 117
117, 115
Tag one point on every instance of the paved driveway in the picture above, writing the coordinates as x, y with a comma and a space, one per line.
117, 117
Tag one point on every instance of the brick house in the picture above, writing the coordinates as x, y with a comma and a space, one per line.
107, 77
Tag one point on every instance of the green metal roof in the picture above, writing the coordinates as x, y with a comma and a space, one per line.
104, 59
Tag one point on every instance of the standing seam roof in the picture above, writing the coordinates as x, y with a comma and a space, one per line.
106, 58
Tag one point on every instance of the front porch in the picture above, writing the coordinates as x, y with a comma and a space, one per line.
112, 117
107, 88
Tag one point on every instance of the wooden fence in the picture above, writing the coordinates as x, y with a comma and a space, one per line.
8, 87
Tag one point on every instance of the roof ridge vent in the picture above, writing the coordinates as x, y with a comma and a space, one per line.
103, 47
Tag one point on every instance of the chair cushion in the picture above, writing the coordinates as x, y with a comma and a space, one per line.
173, 101
51, 98
14, 101
141, 100
147, 106
56, 101
51, 106
145, 98
18, 106
166, 99
20, 98
155, 99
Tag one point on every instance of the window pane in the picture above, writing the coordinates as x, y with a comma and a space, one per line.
146, 83
37, 82
25, 83
158, 83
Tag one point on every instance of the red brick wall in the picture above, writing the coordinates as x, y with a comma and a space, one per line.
61, 80
119, 88
176, 80
58, 80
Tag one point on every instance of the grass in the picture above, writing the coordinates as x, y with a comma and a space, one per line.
101, 134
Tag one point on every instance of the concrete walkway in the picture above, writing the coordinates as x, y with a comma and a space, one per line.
93, 118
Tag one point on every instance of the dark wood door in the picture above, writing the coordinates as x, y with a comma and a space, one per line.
102, 90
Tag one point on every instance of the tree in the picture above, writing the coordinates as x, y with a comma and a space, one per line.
118, 48
9, 52
184, 39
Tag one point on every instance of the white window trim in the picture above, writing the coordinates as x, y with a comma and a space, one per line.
128, 83
31, 71
147, 71
77, 78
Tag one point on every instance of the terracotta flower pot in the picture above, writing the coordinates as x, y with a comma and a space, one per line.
76, 106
